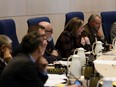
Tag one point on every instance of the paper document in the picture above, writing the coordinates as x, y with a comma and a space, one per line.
55, 79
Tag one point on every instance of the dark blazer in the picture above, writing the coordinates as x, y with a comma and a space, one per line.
2, 65
21, 72
92, 34
50, 47
17, 50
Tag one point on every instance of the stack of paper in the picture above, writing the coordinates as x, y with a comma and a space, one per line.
55, 79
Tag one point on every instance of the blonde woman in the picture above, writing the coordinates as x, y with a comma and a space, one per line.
71, 38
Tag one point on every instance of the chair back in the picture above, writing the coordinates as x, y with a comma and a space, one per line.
70, 15
33, 21
108, 18
7, 27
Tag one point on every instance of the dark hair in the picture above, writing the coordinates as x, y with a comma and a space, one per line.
35, 28
32, 41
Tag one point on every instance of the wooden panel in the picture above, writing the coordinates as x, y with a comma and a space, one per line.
82, 5
93, 5
47, 6
12, 7
105, 5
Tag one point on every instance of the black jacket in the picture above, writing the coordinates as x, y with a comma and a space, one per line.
22, 72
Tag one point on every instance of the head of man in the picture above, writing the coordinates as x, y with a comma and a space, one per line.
48, 29
5, 45
40, 29
95, 21
34, 43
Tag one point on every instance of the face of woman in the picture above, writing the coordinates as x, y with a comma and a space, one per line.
80, 30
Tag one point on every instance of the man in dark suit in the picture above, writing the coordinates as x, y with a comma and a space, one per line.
92, 29
51, 53
22, 71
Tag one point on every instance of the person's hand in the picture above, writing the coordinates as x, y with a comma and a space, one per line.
100, 34
7, 54
54, 53
87, 41
110, 46
82, 41
42, 64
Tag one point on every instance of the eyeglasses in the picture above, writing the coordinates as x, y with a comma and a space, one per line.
98, 23
50, 31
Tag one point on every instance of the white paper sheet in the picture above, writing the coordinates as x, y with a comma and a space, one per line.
55, 79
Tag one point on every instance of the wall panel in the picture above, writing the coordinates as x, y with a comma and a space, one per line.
104, 5
21, 10
12, 8
92, 5
47, 6
81, 5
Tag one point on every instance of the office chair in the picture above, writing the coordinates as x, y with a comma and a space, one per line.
7, 27
33, 21
70, 15
108, 17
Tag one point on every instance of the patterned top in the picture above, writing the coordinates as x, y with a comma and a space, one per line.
67, 43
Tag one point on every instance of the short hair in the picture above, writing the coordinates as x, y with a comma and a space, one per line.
31, 42
92, 17
5, 40
35, 28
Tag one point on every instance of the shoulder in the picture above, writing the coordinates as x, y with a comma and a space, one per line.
86, 30
66, 33
86, 27
21, 55
20, 59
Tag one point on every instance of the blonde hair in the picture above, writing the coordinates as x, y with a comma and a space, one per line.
5, 40
74, 24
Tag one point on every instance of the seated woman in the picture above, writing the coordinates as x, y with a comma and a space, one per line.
71, 38
5, 51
